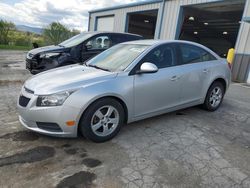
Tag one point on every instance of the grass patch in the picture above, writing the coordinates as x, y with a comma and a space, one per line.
10, 47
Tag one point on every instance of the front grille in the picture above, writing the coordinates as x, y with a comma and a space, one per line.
23, 101
28, 64
31, 64
52, 127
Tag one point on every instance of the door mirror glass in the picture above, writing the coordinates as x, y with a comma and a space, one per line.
147, 67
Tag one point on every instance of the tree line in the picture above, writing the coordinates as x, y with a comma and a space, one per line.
54, 33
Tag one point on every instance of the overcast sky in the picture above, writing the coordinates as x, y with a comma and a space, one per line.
39, 13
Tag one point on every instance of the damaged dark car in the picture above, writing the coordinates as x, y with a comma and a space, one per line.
77, 49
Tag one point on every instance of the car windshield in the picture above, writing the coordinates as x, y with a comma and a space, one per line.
78, 39
118, 57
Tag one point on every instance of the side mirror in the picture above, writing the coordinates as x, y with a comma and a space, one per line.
147, 68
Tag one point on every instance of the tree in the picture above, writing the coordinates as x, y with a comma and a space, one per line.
75, 32
5, 27
55, 33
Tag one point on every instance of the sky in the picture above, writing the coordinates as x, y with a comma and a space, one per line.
40, 13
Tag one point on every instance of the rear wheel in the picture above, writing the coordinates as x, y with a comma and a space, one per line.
102, 120
214, 96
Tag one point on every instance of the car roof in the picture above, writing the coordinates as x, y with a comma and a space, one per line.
110, 32
152, 42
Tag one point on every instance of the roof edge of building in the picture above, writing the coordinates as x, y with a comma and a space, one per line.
126, 5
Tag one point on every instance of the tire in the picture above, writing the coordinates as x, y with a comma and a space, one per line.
97, 124
214, 96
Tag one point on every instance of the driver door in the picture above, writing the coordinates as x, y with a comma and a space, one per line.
158, 91
94, 46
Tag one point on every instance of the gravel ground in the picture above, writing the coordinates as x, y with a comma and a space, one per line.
189, 148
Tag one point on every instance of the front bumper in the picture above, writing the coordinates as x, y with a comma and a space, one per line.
33, 66
30, 116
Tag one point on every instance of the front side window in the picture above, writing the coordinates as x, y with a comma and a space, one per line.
99, 43
117, 58
194, 54
162, 56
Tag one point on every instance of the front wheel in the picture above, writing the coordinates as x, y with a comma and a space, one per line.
214, 96
102, 120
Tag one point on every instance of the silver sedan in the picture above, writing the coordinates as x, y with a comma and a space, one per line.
129, 82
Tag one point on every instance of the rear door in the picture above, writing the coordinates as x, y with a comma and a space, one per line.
195, 75
95, 45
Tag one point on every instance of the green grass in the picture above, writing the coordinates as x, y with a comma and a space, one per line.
10, 47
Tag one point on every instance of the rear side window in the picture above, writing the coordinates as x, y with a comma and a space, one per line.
119, 38
194, 54
133, 37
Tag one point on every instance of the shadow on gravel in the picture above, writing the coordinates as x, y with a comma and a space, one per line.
91, 163
21, 136
33, 155
81, 179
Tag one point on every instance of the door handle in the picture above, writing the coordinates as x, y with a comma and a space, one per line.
174, 78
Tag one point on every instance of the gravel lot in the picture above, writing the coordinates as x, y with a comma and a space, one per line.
189, 148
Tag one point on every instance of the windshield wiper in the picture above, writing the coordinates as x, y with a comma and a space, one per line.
60, 45
99, 68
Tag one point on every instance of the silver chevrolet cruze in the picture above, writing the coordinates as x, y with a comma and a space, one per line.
128, 82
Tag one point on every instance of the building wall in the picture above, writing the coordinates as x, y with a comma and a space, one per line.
120, 15
243, 42
241, 65
171, 16
169, 26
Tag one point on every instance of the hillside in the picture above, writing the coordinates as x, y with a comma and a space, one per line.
25, 28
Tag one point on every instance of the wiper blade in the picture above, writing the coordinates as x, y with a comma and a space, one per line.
99, 68
60, 45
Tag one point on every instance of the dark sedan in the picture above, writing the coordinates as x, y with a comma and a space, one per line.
74, 50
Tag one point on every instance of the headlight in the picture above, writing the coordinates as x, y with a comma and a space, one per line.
48, 55
54, 99
29, 55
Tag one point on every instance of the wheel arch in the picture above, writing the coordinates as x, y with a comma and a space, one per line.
218, 79
119, 99
221, 80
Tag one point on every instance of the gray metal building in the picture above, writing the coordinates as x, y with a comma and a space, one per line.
217, 24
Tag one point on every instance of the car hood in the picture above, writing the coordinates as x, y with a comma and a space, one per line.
45, 49
66, 78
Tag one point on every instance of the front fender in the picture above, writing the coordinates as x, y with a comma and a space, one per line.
119, 87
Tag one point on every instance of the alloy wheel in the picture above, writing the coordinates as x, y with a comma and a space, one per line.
215, 97
105, 120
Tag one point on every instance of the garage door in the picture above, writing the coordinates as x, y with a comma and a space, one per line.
105, 23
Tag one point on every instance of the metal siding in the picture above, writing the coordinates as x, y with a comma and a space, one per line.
120, 15
241, 65
243, 41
